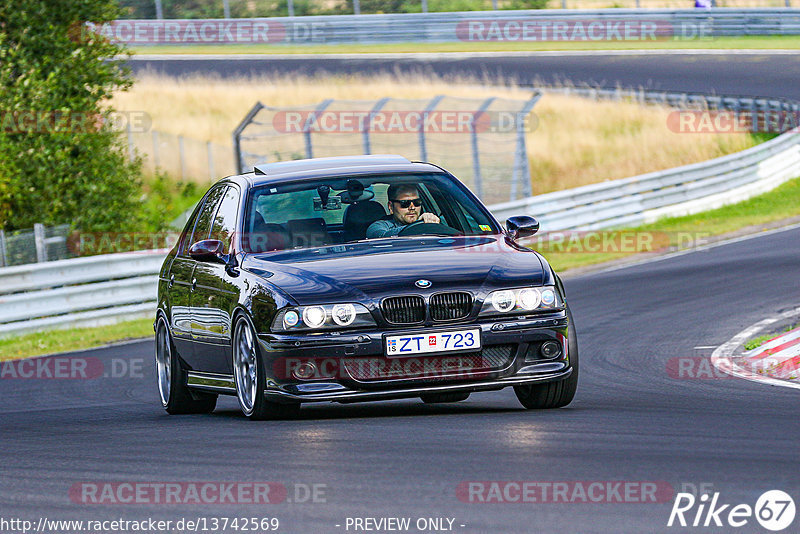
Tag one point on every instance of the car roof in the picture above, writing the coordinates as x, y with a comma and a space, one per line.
281, 171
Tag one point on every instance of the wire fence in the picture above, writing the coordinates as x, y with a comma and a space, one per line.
42, 243
480, 140
181, 157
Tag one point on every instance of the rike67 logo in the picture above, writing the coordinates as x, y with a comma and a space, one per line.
774, 510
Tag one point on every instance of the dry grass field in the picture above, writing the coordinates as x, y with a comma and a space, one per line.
577, 141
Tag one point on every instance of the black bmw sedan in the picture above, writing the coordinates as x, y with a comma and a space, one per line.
353, 279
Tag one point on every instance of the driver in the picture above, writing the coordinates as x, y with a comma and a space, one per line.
405, 208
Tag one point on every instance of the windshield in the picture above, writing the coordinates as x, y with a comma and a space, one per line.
339, 210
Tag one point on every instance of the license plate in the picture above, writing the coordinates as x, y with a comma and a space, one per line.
429, 342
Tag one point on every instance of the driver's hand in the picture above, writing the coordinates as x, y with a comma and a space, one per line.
428, 218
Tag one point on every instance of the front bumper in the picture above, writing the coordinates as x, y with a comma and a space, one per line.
520, 333
345, 395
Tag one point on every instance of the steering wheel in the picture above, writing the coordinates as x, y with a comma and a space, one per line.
423, 228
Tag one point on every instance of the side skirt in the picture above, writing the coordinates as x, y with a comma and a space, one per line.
211, 382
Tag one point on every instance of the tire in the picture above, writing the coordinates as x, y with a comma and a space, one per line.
176, 397
554, 394
249, 377
434, 398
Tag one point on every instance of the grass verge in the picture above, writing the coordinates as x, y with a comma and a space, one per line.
760, 340
719, 43
39, 343
675, 232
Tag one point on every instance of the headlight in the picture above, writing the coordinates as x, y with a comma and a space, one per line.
314, 316
520, 301
504, 301
327, 317
344, 314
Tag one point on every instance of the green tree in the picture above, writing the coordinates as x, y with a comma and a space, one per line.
60, 162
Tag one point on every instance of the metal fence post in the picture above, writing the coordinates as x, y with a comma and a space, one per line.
425, 5
312, 118
521, 173
159, 10
210, 150
155, 149
38, 240
182, 157
356, 7
3, 253
237, 136
375, 109
423, 148
290, 6
476, 162
226, 9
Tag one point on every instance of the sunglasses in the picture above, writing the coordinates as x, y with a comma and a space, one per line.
405, 204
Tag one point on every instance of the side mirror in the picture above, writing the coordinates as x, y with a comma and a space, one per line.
521, 226
207, 250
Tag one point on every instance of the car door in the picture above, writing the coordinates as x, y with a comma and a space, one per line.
180, 287
183, 280
216, 293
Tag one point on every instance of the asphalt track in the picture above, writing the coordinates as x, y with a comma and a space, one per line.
631, 421
745, 74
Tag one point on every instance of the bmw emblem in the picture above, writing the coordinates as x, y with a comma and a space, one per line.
423, 284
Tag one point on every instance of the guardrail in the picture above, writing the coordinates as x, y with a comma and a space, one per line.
464, 26
77, 292
103, 289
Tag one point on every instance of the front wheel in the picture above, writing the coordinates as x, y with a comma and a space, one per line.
248, 374
554, 394
175, 395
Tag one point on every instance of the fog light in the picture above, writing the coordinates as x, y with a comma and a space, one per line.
305, 370
550, 349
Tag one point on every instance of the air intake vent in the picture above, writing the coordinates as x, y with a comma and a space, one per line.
404, 310
450, 306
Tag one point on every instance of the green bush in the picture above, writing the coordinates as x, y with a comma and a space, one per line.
63, 164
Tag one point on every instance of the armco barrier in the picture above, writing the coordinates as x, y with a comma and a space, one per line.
78, 292
529, 25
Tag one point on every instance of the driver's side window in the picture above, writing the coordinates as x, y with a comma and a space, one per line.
205, 218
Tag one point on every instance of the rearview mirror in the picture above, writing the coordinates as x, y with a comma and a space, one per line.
521, 226
207, 250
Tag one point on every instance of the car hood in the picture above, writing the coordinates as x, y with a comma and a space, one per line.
376, 268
